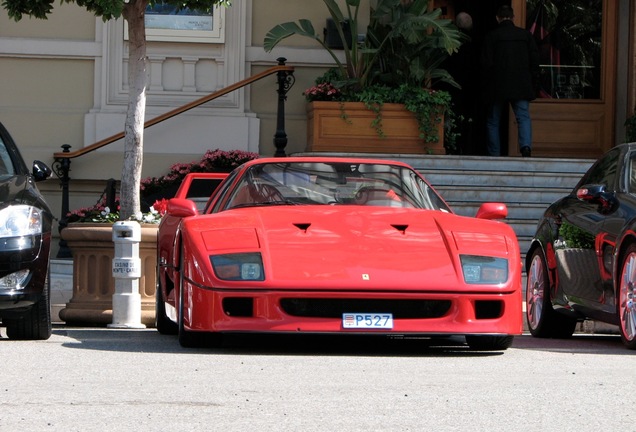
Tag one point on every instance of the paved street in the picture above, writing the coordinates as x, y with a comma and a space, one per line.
97, 379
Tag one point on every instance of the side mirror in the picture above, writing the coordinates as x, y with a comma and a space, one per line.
40, 171
492, 211
181, 207
598, 194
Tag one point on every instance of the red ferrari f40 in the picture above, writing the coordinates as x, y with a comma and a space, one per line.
335, 245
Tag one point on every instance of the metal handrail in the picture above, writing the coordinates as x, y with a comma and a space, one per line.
276, 69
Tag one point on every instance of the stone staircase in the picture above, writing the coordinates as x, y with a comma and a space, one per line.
526, 185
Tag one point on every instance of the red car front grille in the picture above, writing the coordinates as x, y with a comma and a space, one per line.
334, 308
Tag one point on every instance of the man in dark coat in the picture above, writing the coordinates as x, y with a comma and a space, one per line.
510, 60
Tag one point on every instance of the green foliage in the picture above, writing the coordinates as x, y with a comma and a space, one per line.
401, 35
430, 107
418, 43
575, 237
399, 62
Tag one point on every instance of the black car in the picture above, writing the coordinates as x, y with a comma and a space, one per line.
582, 261
25, 239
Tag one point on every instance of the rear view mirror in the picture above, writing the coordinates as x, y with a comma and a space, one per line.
598, 194
181, 207
492, 211
40, 171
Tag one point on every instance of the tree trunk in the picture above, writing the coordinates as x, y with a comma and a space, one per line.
134, 12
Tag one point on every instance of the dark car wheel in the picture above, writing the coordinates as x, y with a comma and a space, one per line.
489, 343
626, 302
163, 324
543, 320
35, 324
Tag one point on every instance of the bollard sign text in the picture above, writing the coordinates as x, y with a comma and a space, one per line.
126, 268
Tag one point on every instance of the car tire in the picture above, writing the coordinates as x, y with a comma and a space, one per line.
163, 324
489, 343
626, 306
34, 324
543, 321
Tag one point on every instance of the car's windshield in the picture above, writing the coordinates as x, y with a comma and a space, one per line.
6, 166
333, 183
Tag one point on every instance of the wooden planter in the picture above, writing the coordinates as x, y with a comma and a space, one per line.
93, 283
348, 127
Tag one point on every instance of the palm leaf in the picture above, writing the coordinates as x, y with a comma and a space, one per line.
285, 30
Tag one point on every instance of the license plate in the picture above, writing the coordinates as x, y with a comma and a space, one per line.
367, 320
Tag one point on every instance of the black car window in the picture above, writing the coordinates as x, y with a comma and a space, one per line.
631, 174
604, 171
6, 166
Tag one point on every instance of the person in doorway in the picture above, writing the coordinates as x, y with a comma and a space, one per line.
461, 66
510, 62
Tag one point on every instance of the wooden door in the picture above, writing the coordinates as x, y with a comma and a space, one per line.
571, 120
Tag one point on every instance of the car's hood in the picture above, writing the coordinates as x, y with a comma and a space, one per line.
356, 247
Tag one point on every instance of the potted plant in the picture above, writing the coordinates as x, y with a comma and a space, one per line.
399, 62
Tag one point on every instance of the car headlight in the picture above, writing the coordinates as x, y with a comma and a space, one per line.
17, 280
238, 267
20, 220
484, 270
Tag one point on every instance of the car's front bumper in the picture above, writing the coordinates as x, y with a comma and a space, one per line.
19, 253
433, 313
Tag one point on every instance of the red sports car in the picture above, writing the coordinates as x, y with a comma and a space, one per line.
336, 245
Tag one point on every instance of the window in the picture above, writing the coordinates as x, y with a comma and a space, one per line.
603, 171
6, 166
569, 35
168, 23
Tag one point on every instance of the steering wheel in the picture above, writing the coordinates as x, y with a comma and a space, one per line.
365, 193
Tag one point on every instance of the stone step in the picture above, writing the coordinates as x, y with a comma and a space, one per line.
508, 195
526, 185
486, 179
61, 281
425, 163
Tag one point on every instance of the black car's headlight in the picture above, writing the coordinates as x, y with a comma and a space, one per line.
17, 280
484, 270
238, 267
20, 220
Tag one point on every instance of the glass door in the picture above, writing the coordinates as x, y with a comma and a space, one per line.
569, 35
573, 115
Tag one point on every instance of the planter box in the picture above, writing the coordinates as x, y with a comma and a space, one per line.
347, 127
93, 283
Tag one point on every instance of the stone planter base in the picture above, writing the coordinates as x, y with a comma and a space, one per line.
93, 284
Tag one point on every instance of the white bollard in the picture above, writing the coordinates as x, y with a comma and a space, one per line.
126, 271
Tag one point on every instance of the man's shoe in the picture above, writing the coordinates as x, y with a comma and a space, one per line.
525, 151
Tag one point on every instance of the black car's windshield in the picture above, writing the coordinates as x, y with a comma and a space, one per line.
6, 165
333, 183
